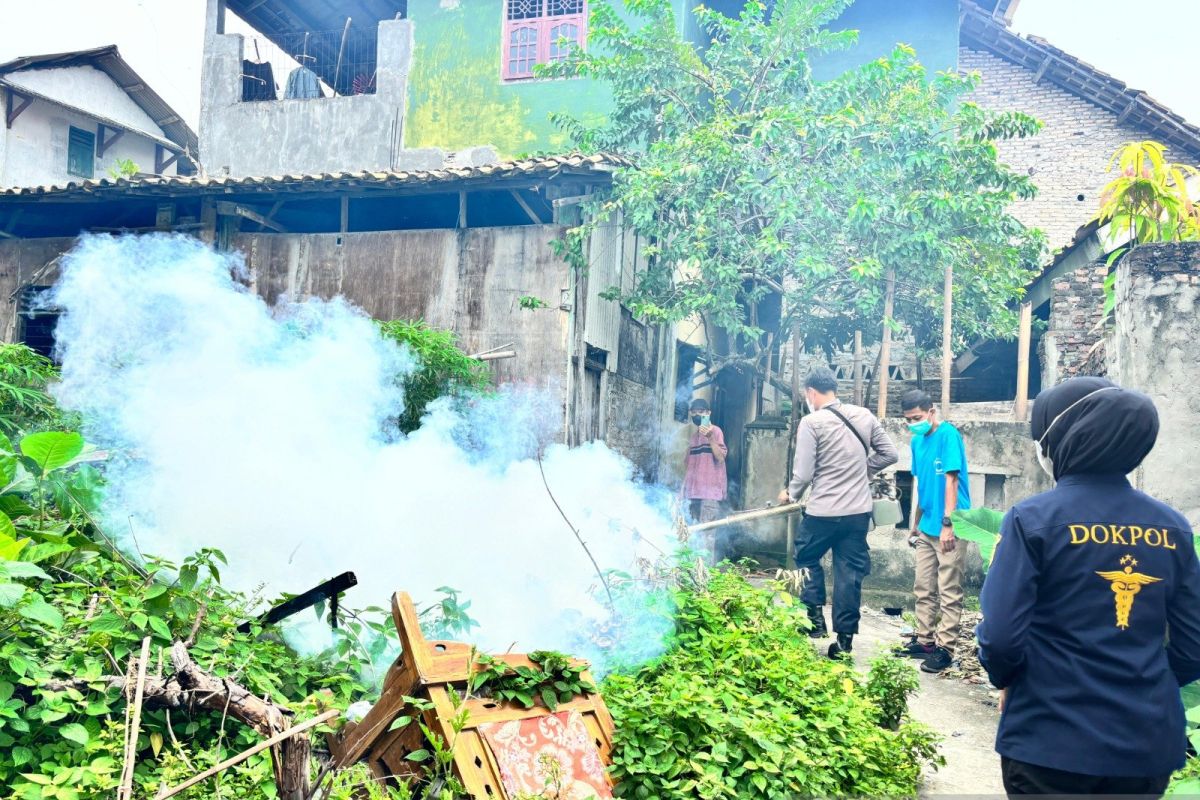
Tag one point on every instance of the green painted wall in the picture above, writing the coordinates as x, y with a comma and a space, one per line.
456, 98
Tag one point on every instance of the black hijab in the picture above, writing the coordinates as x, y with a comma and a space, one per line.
1101, 429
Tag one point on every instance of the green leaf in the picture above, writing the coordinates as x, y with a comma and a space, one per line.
11, 594
21, 755
400, 722
8, 531
74, 732
22, 569
52, 449
979, 525
107, 623
160, 627
418, 756
39, 610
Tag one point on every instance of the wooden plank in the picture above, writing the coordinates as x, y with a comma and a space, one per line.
533, 217
345, 208
236, 209
10, 112
885, 347
408, 624
1021, 403
947, 340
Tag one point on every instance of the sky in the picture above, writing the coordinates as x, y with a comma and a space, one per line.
162, 40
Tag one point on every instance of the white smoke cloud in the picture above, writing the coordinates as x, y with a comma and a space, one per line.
259, 431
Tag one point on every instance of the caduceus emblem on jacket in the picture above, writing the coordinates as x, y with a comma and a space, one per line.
1125, 584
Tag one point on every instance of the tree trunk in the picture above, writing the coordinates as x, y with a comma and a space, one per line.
885, 346
947, 354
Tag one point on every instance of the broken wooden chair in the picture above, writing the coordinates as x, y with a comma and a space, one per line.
436, 672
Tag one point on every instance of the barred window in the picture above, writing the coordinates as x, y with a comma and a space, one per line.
540, 32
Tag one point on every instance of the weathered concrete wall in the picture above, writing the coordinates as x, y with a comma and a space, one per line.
34, 150
324, 134
468, 281
764, 473
1154, 349
634, 402
24, 262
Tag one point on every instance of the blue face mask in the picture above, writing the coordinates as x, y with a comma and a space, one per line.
920, 428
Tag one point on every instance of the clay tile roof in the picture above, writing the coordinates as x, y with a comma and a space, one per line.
980, 28
542, 167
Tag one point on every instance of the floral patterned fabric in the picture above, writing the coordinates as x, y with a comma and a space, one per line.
551, 756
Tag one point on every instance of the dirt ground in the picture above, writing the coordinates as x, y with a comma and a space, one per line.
965, 716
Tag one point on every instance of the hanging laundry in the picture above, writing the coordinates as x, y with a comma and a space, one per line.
302, 84
258, 81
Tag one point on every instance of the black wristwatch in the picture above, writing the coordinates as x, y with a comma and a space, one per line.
947, 522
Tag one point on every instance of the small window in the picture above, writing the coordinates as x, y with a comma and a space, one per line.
37, 320
540, 32
81, 153
686, 356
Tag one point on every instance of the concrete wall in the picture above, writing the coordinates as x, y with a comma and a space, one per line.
326, 134
1067, 159
1153, 349
468, 281
34, 151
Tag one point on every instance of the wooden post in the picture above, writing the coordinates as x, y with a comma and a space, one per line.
345, 224
858, 376
947, 352
885, 344
462, 210
791, 450
1021, 406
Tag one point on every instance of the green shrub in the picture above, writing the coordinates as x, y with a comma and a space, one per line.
443, 368
742, 707
25, 376
889, 685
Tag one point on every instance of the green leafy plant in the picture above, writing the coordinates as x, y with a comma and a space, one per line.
123, 168
442, 368
25, 402
890, 683
530, 303
741, 707
554, 680
756, 185
1148, 201
981, 526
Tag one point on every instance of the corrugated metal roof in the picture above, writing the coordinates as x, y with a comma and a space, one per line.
541, 167
108, 60
1133, 107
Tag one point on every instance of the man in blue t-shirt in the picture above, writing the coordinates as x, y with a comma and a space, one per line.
939, 465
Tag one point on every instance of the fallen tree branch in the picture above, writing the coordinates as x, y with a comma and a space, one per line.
245, 754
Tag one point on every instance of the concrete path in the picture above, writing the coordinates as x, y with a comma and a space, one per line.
964, 715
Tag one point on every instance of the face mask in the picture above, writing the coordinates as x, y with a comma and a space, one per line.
1044, 460
697, 419
920, 428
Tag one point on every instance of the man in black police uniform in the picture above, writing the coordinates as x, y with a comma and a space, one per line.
1087, 581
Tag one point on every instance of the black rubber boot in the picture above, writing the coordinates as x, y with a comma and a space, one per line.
842, 647
817, 617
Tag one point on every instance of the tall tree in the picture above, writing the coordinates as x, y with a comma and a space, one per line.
754, 179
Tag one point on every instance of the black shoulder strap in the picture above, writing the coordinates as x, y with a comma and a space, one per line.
853, 429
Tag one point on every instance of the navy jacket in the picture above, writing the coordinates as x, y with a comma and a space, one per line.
1086, 582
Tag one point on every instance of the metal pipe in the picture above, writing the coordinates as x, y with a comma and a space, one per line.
747, 516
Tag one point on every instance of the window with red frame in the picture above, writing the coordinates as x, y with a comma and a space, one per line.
540, 32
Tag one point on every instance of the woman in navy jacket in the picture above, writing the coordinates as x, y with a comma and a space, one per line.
1087, 582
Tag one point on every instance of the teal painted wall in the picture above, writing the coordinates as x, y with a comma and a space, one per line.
456, 98
929, 26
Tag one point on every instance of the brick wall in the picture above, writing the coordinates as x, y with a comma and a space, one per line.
1076, 307
1067, 160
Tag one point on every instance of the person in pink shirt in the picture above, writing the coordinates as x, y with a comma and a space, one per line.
704, 479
